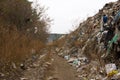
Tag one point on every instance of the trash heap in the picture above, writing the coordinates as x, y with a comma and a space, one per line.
82, 50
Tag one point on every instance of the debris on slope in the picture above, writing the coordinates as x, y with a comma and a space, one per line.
34, 68
39, 68
83, 51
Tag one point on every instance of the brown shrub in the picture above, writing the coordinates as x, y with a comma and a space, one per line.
16, 47
18, 40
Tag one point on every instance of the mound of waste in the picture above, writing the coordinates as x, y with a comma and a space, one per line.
85, 48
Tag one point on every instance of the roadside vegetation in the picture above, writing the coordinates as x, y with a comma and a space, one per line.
23, 32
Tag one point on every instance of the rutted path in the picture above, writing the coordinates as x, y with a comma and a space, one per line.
62, 70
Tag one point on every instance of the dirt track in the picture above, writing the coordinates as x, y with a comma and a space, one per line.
62, 70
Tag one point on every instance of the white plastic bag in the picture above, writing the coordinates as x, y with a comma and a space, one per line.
110, 67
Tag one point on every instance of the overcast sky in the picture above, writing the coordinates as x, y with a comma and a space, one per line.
68, 13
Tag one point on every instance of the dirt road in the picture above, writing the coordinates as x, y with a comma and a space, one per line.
62, 70
58, 70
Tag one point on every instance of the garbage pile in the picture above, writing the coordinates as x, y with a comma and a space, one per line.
83, 50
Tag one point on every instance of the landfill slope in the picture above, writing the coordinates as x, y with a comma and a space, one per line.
82, 50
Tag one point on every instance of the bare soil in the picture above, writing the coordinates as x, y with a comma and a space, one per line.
62, 70
58, 70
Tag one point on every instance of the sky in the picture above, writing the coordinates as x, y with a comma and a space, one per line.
67, 14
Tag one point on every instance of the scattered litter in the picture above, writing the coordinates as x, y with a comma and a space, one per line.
113, 72
1, 74
67, 57
116, 76
110, 67
87, 44
23, 78
48, 63
52, 78
14, 66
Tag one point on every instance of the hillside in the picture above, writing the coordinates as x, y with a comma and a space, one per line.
83, 49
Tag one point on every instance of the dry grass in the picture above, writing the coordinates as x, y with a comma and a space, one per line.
16, 47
